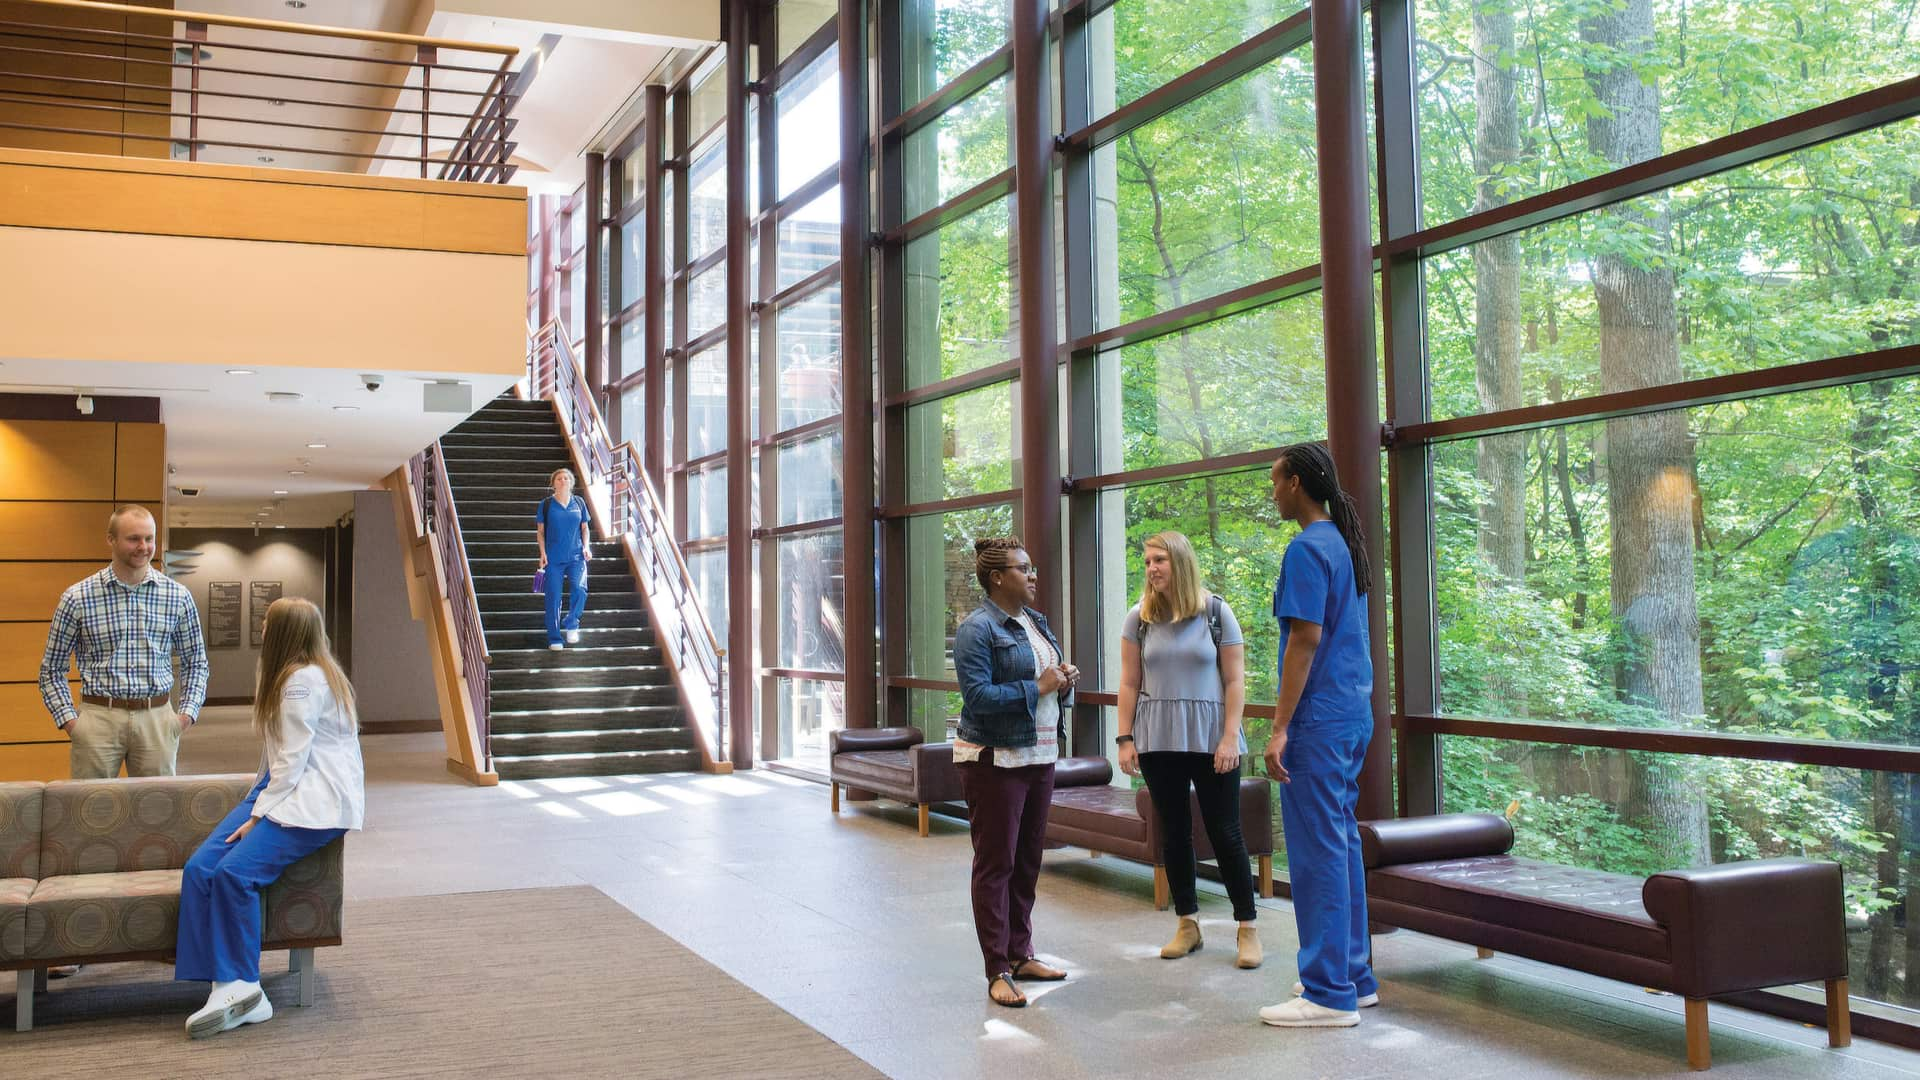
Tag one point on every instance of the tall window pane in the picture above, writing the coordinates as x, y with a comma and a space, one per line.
960, 297
809, 387
941, 586
809, 123
962, 445
964, 146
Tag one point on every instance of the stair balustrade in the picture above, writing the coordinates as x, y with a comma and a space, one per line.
433, 495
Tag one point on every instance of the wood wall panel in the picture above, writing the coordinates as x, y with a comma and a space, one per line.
30, 590
20, 704
36, 761
104, 59
21, 646
50, 191
56, 459
140, 465
55, 530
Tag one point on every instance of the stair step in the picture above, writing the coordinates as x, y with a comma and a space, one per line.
518, 519
542, 768
521, 564
584, 697
500, 642
495, 489
513, 404
590, 742
588, 654
532, 469
554, 720
523, 603
536, 619
577, 678
491, 503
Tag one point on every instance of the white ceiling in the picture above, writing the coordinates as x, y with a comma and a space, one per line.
226, 437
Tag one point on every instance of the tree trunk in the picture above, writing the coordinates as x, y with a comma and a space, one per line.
1650, 462
1496, 308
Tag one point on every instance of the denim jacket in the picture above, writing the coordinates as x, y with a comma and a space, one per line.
995, 662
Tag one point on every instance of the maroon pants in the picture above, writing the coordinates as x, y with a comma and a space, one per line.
1008, 809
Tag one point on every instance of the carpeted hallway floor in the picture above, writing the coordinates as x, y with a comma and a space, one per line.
534, 982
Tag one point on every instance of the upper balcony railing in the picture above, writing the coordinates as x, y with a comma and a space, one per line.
242, 91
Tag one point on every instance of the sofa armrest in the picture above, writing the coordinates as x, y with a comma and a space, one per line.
1747, 925
305, 904
853, 740
935, 777
1256, 814
1399, 841
1082, 772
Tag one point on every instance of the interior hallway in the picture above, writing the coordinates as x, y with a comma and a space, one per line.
863, 931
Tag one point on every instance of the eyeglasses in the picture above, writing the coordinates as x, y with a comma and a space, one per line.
1022, 568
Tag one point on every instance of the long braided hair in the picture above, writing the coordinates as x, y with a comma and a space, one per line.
1312, 465
993, 553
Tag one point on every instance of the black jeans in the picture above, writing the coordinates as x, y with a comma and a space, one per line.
1170, 775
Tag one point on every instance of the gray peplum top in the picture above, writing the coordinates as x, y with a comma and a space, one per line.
1181, 707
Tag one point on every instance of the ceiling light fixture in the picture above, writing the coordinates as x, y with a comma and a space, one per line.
316, 446
239, 371
279, 526
279, 491
296, 472
296, 4
346, 408
265, 159
275, 101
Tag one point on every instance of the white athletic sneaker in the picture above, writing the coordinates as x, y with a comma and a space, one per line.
1367, 1001
1302, 1013
556, 647
224, 1009
573, 637
261, 1013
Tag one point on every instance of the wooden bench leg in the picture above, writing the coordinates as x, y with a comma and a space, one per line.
39, 980
23, 1000
1699, 1052
1839, 1014
923, 819
1266, 876
1160, 889
300, 961
836, 796
1482, 952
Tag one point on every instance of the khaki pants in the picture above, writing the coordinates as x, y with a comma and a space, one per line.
146, 740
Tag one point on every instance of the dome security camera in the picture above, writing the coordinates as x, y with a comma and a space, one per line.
372, 381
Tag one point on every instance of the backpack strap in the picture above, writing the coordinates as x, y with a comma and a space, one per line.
1214, 604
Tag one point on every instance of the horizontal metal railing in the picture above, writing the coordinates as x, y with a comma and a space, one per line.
248, 91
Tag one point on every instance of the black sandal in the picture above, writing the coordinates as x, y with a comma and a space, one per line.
1019, 971
1019, 999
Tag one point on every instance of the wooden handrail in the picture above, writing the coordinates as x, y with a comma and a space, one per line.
309, 29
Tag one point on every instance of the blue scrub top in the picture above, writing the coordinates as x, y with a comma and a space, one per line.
563, 527
1316, 586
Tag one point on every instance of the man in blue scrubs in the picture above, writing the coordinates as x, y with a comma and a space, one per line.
1321, 729
564, 530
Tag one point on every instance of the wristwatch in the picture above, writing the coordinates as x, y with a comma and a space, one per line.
1118, 739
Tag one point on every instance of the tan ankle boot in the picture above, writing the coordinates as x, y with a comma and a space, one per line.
1248, 941
1185, 940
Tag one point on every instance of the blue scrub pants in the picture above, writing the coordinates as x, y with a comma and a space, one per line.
574, 571
220, 910
1323, 860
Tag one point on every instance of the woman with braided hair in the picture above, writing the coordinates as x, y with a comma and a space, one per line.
1015, 687
1322, 724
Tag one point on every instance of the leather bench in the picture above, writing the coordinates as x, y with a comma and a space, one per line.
90, 873
1694, 933
1087, 811
893, 762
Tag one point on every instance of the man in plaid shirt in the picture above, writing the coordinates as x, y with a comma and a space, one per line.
126, 624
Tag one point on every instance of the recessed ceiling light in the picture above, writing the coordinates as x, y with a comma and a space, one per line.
279, 526
316, 446
275, 101
265, 159
239, 371
296, 472
346, 408
279, 491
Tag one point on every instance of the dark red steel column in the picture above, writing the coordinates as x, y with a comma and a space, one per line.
740, 663
856, 373
1039, 418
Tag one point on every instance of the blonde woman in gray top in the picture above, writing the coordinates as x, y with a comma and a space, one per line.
1182, 690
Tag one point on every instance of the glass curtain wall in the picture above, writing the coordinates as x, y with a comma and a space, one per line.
557, 277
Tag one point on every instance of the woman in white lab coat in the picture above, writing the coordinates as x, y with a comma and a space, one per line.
312, 789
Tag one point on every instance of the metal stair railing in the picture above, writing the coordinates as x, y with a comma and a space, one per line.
433, 495
616, 482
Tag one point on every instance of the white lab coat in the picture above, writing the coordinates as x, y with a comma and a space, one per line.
315, 776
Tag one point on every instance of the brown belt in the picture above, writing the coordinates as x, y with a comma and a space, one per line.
125, 703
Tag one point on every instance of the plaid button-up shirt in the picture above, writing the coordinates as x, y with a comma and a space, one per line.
126, 637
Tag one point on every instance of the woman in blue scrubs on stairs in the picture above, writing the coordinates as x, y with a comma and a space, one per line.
563, 528
1321, 728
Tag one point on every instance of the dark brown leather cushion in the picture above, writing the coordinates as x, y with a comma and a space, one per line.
1081, 772
1398, 841
854, 740
1589, 906
1256, 818
1741, 926
1097, 809
885, 772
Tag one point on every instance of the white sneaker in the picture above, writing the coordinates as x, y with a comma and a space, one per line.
261, 1013
1367, 1001
224, 1009
573, 637
1301, 1013
556, 647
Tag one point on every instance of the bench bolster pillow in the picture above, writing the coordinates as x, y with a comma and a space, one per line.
1082, 772
1434, 838
852, 740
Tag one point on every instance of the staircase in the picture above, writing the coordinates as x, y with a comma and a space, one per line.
606, 706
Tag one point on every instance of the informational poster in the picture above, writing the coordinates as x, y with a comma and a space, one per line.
223, 614
262, 595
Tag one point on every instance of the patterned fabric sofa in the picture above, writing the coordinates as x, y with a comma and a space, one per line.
90, 873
